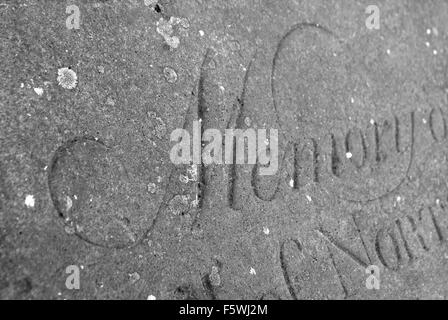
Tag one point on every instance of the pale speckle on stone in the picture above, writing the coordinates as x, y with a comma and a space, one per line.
151, 297
69, 229
170, 74
30, 201
183, 178
134, 277
291, 183
252, 271
165, 29
266, 230
349, 155
150, 2
308, 198
435, 31
69, 202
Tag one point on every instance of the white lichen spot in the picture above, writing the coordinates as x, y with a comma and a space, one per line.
435, 31
184, 23
152, 188
110, 101
252, 271
434, 52
67, 78
349, 155
69, 229
308, 198
170, 74
372, 122
201, 33
266, 230
173, 42
388, 51
156, 125
179, 204
352, 100
428, 31
29, 201
134, 277
68, 203
150, 2
151, 297
164, 28
39, 91
424, 121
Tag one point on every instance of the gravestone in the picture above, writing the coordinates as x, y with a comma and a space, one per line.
87, 186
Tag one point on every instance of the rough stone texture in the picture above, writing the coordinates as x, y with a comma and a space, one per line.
107, 198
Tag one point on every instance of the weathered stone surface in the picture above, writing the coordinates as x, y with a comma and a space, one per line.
363, 136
